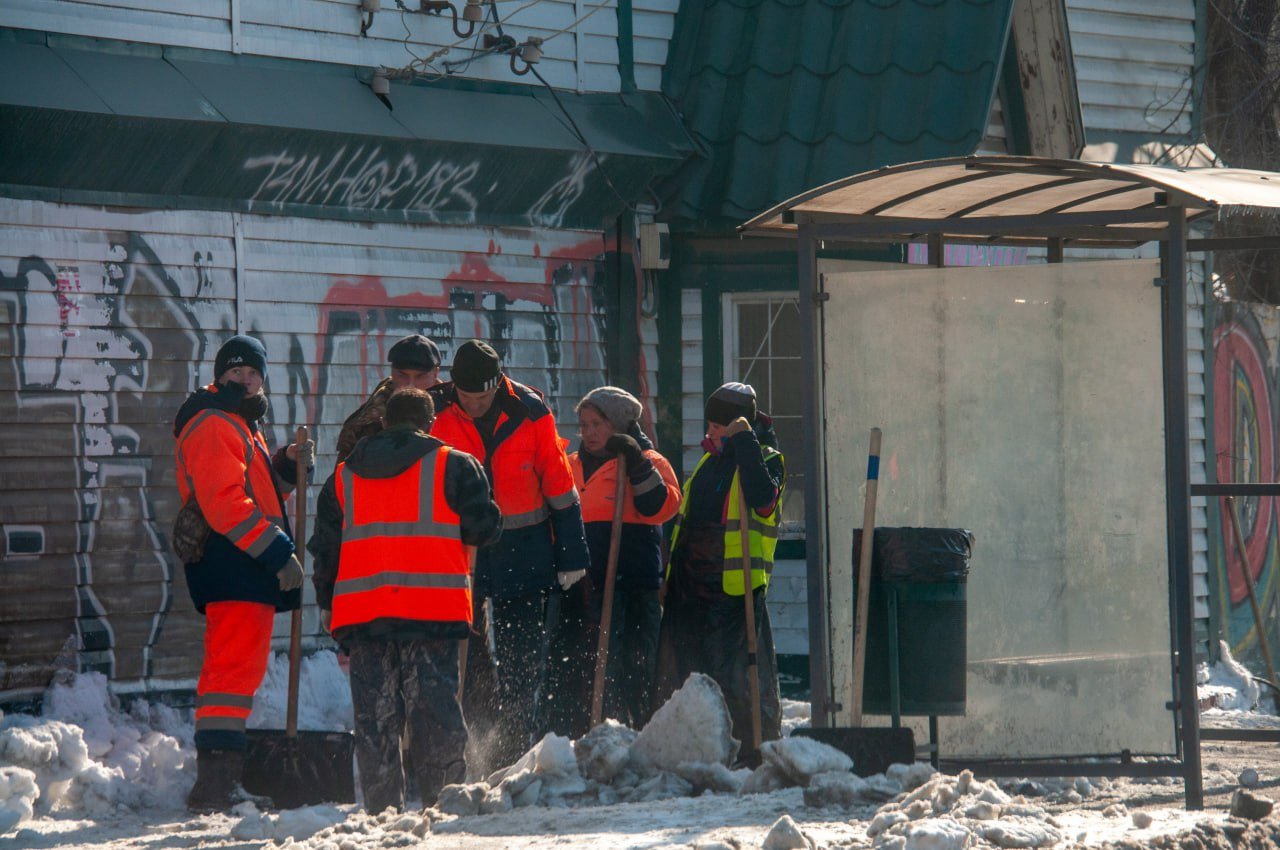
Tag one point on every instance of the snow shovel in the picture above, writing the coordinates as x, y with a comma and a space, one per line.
749, 609
872, 749
606, 610
1253, 600
295, 768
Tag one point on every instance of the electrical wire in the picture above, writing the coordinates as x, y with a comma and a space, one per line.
631, 207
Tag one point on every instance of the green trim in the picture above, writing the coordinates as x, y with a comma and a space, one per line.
626, 48
712, 339
670, 400
1012, 104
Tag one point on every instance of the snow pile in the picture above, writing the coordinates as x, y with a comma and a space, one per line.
87, 755
957, 812
324, 695
1227, 685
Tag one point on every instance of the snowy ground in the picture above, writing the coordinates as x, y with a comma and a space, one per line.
92, 773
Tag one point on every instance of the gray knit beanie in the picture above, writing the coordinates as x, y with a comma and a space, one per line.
617, 405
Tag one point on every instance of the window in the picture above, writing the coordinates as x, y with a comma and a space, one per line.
762, 348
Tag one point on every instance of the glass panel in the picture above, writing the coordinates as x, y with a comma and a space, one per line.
786, 328
753, 326
1030, 389
786, 387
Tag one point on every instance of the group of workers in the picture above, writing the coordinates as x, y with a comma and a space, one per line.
460, 557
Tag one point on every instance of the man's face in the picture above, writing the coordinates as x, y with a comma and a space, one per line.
247, 376
476, 405
418, 379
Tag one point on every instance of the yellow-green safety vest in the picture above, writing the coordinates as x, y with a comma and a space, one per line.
762, 533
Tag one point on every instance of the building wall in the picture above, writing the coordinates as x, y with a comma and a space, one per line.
112, 317
1134, 60
581, 50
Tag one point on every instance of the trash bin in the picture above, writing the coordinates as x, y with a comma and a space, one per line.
918, 582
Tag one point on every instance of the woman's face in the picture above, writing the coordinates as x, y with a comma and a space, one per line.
716, 431
595, 429
247, 376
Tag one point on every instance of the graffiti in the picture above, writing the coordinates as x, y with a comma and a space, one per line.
1246, 387
550, 209
368, 181
115, 353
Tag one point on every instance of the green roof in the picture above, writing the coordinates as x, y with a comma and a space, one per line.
786, 95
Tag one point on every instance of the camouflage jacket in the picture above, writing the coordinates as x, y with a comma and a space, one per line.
367, 419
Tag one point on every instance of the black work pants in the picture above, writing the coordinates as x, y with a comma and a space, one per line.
406, 689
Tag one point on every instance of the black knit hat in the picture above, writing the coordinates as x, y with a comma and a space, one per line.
476, 367
730, 401
240, 351
414, 352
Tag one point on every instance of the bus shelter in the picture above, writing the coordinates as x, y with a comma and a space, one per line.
1043, 407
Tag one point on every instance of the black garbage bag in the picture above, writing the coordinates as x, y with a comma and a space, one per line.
918, 554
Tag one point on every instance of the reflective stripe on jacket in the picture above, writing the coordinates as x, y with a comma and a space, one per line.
402, 555
762, 532
597, 493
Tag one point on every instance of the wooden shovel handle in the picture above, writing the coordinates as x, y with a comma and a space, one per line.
864, 576
295, 620
749, 613
610, 577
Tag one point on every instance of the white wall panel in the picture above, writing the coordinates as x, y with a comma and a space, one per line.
329, 31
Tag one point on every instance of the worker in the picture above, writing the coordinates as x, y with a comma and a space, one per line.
238, 552
542, 553
612, 441
704, 619
393, 582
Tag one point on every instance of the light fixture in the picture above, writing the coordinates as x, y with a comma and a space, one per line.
381, 85
438, 7
530, 53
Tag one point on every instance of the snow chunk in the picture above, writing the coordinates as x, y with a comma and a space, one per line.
694, 725
461, 800
937, 834
785, 835
296, 824
604, 751
553, 761
711, 777
802, 758
18, 793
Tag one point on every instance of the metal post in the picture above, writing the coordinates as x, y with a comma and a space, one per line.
1178, 499
1053, 252
820, 688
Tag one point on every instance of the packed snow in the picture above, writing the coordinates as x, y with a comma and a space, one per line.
91, 772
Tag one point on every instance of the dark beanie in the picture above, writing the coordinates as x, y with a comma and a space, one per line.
476, 367
240, 351
730, 401
414, 352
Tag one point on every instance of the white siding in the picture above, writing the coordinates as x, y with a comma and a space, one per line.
1133, 61
580, 52
994, 139
113, 316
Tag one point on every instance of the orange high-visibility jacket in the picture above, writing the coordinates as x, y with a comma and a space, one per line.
402, 555
227, 467
533, 485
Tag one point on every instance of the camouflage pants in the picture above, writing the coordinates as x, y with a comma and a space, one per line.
406, 689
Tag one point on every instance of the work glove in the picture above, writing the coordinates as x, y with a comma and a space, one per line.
737, 426
290, 575
306, 452
626, 446
326, 617
570, 578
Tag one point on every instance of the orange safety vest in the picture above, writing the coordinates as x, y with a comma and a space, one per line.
402, 555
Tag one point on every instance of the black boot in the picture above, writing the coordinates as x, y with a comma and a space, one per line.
218, 775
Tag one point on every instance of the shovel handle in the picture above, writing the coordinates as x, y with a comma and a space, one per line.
749, 615
295, 619
606, 608
864, 577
